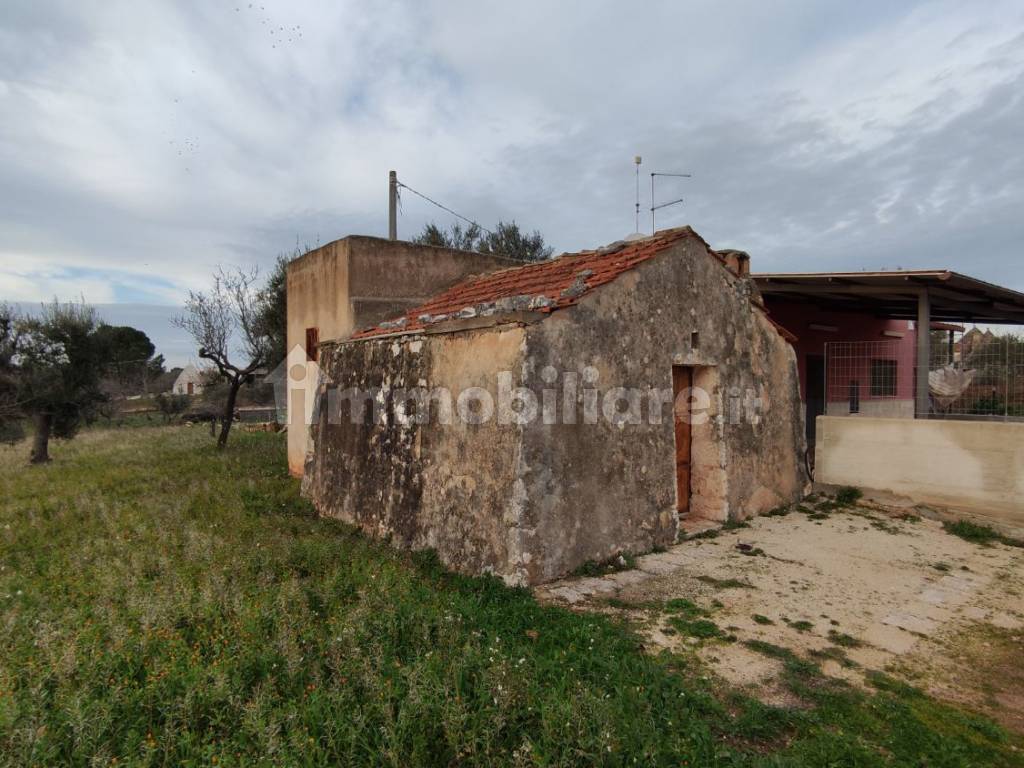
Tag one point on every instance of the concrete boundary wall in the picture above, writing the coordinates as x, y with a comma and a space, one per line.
974, 466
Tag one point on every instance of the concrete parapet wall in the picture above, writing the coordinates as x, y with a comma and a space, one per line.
976, 466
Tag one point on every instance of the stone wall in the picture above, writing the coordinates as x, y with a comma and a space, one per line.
446, 487
532, 501
595, 490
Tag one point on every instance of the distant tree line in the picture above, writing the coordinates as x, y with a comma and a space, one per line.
59, 368
130, 359
62, 367
507, 240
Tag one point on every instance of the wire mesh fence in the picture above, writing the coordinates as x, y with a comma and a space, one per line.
993, 371
873, 378
979, 375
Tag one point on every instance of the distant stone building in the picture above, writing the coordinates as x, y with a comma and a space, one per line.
526, 421
189, 381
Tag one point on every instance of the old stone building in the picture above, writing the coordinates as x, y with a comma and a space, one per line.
529, 420
352, 283
189, 381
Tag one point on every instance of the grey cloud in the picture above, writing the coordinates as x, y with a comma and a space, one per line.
169, 139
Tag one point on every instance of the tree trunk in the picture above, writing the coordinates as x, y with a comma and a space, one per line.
43, 423
229, 412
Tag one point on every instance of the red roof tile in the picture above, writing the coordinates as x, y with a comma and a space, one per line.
552, 284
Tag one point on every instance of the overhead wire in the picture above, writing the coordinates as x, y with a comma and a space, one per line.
401, 186
443, 207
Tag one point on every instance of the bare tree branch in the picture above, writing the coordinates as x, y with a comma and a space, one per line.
228, 314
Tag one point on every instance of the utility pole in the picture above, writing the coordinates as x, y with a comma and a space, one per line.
393, 206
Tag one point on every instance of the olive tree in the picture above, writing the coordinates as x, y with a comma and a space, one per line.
506, 240
10, 414
226, 325
53, 364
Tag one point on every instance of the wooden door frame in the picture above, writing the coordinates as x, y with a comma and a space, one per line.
682, 378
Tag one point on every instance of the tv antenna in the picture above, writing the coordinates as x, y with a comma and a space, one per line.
637, 160
662, 205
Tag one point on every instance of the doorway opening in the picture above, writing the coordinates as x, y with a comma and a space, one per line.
682, 384
814, 397
701, 496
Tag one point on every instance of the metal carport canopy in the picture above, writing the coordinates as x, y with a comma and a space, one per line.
896, 294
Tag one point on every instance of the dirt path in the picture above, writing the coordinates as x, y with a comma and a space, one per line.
854, 590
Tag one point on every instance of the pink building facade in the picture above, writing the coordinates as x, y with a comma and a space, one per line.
849, 362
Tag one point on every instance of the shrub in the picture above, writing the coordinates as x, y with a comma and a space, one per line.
704, 629
844, 640
170, 404
12, 432
979, 534
848, 495
620, 562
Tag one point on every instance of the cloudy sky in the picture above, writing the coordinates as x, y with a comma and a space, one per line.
144, 143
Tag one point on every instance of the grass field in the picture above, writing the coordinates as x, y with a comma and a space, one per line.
165, 604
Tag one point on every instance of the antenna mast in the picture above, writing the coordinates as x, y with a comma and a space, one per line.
663, 205
637, 160
392, 205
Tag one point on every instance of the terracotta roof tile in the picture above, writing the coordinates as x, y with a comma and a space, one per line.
543, 286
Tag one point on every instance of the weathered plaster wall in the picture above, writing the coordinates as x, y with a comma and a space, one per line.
447, 487
594, 490
318, 290
355, 283
388, 277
